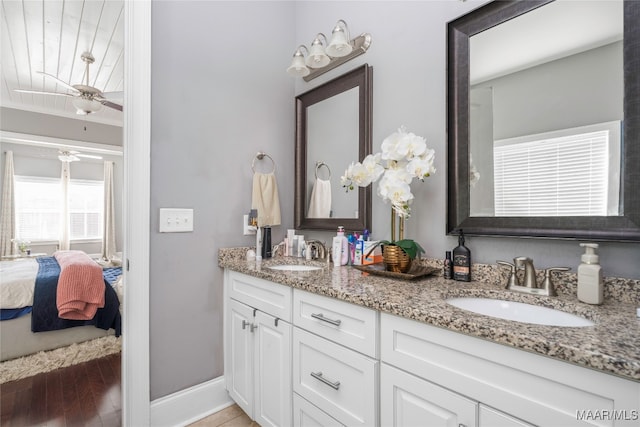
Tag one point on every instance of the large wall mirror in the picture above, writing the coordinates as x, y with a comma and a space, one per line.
544, 120
333, 129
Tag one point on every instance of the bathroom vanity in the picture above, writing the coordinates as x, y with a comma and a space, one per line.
334, 346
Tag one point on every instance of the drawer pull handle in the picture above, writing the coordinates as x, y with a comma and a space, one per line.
253, 327
318, 376
245, 324
320, 316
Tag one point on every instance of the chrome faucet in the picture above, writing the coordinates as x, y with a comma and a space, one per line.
530, 285
529, 272
317, 248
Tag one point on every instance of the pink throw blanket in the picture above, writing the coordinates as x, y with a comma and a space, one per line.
80, 286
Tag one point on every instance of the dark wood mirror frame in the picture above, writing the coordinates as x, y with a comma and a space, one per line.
625, 227
361, 77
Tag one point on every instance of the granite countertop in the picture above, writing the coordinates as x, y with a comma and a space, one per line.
611, 346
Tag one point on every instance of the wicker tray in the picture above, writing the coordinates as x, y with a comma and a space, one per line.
416, 271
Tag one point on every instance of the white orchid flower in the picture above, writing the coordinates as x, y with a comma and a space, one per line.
420, 168
404, 156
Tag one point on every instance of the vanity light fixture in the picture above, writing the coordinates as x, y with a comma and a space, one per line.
319, 59
339, 45
298, 68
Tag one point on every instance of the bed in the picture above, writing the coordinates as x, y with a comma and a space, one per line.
28, 289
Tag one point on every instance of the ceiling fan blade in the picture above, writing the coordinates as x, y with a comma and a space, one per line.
63, 83
110, 104
39, 92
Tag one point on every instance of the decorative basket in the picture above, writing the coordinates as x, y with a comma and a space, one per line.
396, 259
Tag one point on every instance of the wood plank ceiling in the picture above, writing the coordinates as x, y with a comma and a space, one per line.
50, 36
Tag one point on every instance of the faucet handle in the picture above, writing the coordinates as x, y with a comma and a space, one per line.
513, 279
547, 284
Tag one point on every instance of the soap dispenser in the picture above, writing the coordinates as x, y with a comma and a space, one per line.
340, 248
590, 283
461, 260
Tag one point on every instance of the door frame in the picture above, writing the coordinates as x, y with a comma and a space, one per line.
136, 394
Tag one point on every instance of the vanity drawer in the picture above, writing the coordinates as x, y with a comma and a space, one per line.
337, 380
307, 415
348, 324
269, 297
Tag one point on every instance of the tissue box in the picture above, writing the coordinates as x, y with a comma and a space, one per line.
375, 256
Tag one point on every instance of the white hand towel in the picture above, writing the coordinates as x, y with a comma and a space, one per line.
265, 199
320, 203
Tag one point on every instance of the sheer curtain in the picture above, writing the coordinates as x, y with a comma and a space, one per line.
108, 223
8, 214
64, 219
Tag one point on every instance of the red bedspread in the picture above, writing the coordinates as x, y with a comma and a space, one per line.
80, 286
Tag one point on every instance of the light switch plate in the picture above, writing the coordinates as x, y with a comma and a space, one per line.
174, 220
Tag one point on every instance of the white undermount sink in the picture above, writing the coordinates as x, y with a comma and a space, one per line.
294, 267
520, 312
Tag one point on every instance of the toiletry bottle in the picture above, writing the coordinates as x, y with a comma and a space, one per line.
352, 239
590, 284
266, 242
336, 249
344, 260
448, 266
461, 261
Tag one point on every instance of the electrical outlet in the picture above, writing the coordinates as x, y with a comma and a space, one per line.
173, 220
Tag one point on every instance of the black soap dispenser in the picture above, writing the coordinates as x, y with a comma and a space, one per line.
461, 261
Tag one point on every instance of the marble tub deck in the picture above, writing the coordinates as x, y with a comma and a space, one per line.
611, 346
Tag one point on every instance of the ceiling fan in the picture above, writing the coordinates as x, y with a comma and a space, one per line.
69, 156
86, 99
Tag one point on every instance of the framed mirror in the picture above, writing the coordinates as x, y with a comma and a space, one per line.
333, 129
544, 128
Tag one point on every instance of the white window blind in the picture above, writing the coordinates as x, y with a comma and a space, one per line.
563, 176
39, 208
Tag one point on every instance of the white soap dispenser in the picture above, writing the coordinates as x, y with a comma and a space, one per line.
590, 283
340, 248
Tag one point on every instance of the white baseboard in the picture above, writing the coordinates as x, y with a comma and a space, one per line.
190, 405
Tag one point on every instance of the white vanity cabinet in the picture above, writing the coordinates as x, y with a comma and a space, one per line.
258, 348
335, 365
452, 373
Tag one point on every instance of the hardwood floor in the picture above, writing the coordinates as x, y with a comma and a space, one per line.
87, 394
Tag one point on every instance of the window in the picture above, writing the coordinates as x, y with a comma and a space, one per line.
566, 173
39, 208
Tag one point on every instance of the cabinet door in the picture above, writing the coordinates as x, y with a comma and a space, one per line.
490, 417
407, 401
272, 362
239, 373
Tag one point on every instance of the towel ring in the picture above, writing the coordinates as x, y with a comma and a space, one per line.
319, 164
261, 155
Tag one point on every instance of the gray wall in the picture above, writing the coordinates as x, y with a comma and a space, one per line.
220, 93
578, 90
